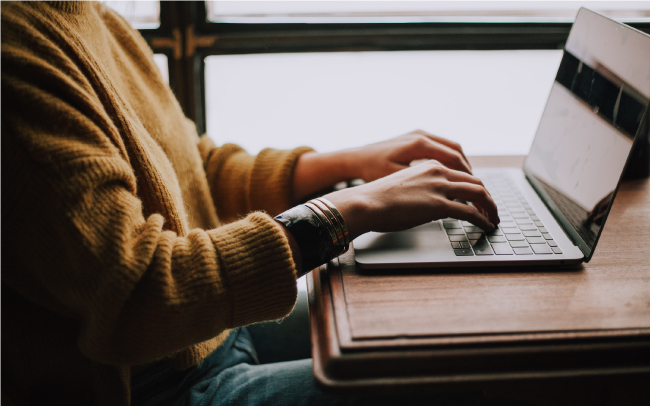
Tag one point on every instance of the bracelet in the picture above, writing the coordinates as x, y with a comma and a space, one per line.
313, 239
325, 222
322, 210
339, 218
319, 230
333, 221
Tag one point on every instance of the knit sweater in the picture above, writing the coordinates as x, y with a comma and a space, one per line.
127, 238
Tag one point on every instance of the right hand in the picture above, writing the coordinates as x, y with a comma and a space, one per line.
414, 196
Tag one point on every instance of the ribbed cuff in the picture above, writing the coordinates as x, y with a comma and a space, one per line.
272, 179
256, 260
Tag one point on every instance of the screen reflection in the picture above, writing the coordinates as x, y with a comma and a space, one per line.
595, 109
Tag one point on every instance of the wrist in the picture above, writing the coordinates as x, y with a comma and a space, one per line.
355, 209
315, 172
350, 163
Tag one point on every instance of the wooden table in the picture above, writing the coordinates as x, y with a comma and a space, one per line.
439, 329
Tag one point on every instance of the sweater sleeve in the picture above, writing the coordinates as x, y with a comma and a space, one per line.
241, 183
78, 243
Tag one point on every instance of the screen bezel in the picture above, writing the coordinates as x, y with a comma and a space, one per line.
557, 213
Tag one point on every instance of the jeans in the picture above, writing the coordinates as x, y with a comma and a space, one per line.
233, 375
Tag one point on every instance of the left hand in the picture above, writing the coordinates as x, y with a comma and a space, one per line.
375, 161
315, 172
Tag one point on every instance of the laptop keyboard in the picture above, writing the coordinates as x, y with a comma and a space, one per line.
520, 232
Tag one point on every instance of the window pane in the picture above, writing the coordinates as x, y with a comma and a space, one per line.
419, 11
161, 62
142, 15
489, 101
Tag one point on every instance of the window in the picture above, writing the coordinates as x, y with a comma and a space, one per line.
489, 101
474, 48
143, 15
252, 12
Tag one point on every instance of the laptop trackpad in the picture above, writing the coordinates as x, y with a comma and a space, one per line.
425, 241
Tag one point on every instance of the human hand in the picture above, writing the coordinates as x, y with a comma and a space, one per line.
377, 160
314, 171
415, 196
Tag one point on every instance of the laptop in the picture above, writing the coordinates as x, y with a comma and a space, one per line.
552, 211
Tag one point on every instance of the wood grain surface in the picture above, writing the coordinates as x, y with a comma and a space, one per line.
612, 292
548, 336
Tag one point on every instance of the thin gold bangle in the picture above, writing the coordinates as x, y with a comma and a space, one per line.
326, 223
339, 217
333, 220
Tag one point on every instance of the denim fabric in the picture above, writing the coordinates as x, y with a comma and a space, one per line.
232, 376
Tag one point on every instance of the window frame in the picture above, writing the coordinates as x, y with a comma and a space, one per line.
187, 37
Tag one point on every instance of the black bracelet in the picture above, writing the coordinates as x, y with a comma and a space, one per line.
312, 237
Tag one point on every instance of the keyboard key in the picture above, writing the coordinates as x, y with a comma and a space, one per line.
454, 224
527, 227
457, 238
505, 217
497, 238
502, 248
519, 216
556, 250
520, 210
451, 231
534, 218
532, 233
474, 236
483, 248
510, 230
547, 236
467, 224
541, 249
455, 244
533, 240
552, 243
523, 251
518, 244
539, 224
473, 229
463, 252
507, 224
464, 244
496, 232
515, 237
524, 221
543, 230
530, 211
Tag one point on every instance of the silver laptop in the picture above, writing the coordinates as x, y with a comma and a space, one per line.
552, 211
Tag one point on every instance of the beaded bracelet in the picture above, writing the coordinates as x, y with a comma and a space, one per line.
319, 231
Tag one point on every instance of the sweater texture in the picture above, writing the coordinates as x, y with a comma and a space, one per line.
127, 238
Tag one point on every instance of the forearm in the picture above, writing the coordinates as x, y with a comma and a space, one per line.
315, 172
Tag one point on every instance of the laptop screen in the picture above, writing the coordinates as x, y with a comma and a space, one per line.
597, 105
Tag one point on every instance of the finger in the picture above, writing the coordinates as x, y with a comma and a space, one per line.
451, 144
476, 194
458, 176
417, 162
447, 156
468, 213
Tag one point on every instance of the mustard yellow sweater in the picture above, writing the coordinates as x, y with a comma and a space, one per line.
113, 254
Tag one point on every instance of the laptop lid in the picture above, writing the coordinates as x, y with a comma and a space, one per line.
597, 107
